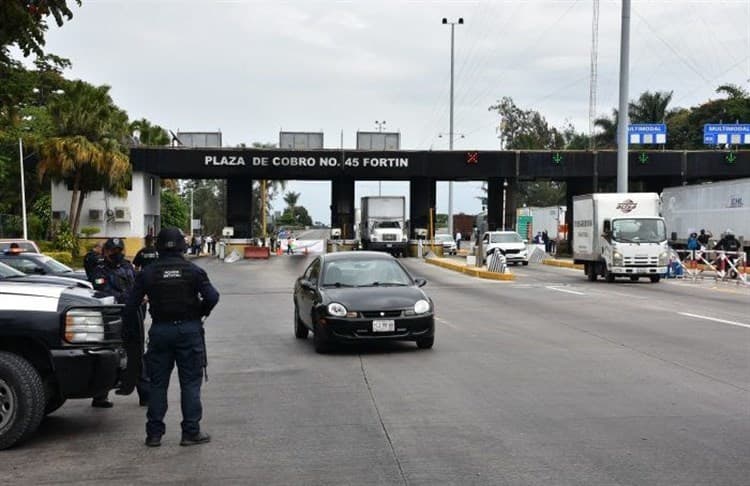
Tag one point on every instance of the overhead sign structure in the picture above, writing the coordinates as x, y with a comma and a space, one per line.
726, 134
647, 133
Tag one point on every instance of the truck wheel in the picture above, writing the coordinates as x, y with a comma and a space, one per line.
609, 276
590, 270
22, 399
300, 330
654, 278
54, 403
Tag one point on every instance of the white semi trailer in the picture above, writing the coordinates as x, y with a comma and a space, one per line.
715, 207
620, 235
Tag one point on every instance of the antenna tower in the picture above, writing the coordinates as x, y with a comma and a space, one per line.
592, 80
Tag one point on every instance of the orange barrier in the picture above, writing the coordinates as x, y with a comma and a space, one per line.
257, 252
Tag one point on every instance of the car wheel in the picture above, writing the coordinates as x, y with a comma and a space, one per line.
321, 344
300, 330
426, 343
22, 399
654, 278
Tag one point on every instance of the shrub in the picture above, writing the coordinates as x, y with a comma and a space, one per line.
88, 231
65, 240
61, 256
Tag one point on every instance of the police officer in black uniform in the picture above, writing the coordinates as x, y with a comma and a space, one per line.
146, 255
180, 295
114, 276
92, 260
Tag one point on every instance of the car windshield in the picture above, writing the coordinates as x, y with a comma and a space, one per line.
365, 273
9, 272
505, 238
54, 265
388, 224
23, 245
639, 230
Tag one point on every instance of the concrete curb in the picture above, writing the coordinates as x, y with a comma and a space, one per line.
473, 271
561, 263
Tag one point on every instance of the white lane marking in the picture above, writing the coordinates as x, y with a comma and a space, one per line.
565, 290
443, 321
732, 323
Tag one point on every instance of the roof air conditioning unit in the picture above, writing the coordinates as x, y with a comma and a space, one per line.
95, 214
122, 214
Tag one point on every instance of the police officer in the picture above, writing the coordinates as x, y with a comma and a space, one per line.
146, 255
114, 276
92, 260
728, 242
180, 295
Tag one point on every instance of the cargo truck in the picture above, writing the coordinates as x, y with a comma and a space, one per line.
383, 224
620, 235
715, 207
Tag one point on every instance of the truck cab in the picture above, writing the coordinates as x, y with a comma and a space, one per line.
620, 235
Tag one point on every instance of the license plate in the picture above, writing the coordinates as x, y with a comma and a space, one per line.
387, 325
388, 245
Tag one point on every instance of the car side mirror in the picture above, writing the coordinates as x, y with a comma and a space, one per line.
420, 282
306, 284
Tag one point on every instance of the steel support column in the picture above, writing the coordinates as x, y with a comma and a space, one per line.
342, 206
422, 198
240, 206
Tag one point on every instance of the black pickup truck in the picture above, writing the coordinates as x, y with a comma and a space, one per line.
56, 342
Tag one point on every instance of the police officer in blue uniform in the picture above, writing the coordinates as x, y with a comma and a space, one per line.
180, 295
114, 276
146, 255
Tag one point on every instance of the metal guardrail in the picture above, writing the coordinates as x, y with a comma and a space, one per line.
496, 261
720, 265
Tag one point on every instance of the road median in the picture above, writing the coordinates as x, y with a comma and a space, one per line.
562, 263
469, 270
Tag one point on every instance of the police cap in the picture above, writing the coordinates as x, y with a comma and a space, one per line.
114, 243
170, 239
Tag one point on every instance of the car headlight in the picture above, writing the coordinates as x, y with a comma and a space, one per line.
663, 258
421, 306
616, 258
336, 309
84, 326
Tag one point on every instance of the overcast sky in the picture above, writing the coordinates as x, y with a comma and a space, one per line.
253, 68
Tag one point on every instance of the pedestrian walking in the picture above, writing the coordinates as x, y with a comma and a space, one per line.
210, 245
458, 240
180, 296
115, 277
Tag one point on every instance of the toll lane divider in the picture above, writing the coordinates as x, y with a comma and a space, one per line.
561, 263
469, 270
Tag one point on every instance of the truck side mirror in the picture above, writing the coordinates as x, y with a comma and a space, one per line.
607, 227
673, 236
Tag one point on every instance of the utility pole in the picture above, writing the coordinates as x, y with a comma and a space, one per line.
460, 21
380, 125
622, 116
23, 190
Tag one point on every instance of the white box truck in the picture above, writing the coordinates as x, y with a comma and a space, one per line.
383, 224
715, 207
620, 235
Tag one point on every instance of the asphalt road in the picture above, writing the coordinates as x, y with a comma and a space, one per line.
547, 380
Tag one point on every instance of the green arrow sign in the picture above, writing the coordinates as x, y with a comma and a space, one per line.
643, 158
557, 158
731, 157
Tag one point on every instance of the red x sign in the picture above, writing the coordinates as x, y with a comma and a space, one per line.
472, 157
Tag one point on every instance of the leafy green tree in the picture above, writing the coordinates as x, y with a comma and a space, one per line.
291, 198
298, 216
525, 129
86, 152
149, 134
23, 23
650, 107
208, 203
175, 211
606, 138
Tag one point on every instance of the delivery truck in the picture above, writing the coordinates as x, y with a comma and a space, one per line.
620, 235
715, 207
383, 224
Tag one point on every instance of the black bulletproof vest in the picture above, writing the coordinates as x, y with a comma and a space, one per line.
148, 256
171, 288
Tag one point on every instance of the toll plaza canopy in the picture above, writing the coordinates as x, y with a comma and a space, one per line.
583, 171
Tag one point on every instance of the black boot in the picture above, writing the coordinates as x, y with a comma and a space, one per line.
101, 403
153, 440
199, 438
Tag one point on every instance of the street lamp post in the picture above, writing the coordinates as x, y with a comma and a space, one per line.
505, 189
450, 133
23, 190
380, 125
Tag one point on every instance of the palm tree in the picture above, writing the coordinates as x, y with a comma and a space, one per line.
607, 136
150, 135
650, 107
733, 91
86, 152
291, 198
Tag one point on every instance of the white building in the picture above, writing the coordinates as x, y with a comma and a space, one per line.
134, 216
